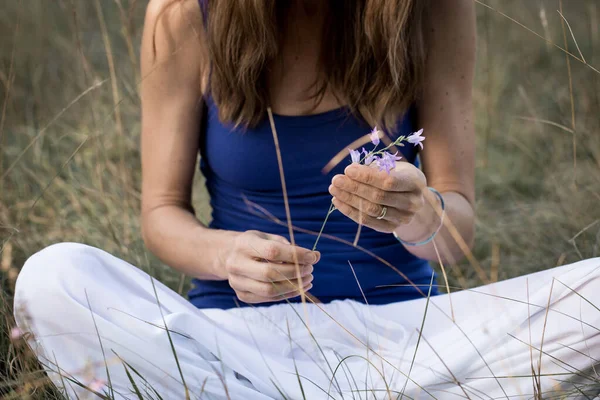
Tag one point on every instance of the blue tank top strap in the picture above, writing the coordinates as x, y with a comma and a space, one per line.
204, 10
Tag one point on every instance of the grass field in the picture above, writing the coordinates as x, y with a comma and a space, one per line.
70, 123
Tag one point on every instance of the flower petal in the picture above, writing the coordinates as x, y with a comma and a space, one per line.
416, 138
354, 155
374, 135
15, 333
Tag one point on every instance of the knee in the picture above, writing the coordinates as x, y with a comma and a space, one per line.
580, 281
592, 265
587, 272
43, 280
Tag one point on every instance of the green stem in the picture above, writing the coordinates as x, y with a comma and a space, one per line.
331, 209
374, 153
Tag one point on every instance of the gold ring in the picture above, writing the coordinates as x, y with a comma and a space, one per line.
383, 211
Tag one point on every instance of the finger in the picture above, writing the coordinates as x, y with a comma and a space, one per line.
277, 238
368, 192
392, 214
265, 271
267, 289
284, 240
254, 298
276, 251
406, 205
269, 236
409, 201
380, 225
405, 180
362, 204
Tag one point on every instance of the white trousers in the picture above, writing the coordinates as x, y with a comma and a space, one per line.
95, 319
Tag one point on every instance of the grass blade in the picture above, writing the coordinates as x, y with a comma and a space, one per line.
140, 376
419, 337
294, 361
187, 392
101, 346
133, 384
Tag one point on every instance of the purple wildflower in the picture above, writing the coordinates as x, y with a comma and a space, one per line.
374, 135
15, 333
369, 157
387, 162
354, 155
416, 138
96, 385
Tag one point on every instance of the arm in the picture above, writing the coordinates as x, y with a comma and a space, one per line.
445, 113
260, 267
171, 66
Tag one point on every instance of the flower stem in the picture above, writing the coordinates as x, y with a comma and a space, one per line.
374, 153
331, 209
394, 143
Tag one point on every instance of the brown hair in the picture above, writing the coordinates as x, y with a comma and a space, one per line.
372, 59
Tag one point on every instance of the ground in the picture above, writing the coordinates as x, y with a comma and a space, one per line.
69, 128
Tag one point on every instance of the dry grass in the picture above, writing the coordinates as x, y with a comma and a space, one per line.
69, 170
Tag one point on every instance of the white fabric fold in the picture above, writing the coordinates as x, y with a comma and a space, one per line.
88, 310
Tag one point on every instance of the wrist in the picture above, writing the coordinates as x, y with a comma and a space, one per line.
221, 241
426, 222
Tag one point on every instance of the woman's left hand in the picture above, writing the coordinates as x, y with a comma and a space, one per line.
365, 194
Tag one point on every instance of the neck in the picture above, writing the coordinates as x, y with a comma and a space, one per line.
309, 8
305, 17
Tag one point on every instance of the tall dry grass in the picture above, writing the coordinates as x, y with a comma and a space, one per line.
69, 128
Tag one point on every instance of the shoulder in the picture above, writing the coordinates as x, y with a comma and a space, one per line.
174, 12
450, 20
171, 24
450, 37
449, 8
173, 48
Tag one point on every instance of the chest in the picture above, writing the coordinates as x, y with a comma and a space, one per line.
293, 89
247, 159
294, 77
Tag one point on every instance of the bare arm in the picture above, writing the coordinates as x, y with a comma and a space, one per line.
445, 113
400, 202
260, 267
172, 59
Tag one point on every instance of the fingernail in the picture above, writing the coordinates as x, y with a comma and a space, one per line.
307, 270
310, 258
338, 180
350, 171
307, 287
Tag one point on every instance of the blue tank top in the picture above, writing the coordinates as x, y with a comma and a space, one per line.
240, 167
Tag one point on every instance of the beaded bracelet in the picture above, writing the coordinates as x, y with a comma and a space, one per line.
430, 238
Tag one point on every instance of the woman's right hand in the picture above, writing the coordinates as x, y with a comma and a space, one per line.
262, 267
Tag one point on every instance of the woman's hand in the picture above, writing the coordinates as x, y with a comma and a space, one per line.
362, 193
261, 267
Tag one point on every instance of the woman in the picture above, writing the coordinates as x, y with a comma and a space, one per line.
329, 71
